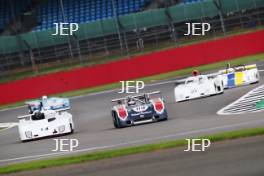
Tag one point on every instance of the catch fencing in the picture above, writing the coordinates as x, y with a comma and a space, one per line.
127, 35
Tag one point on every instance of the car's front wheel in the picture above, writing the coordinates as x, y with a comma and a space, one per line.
71, 128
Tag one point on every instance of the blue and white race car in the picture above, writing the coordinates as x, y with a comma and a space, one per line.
138, 109
240, 75
53, 103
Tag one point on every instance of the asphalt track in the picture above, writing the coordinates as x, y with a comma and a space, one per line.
95, 131
241, 157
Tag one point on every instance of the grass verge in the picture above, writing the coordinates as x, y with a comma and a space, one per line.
33, 165
164, 76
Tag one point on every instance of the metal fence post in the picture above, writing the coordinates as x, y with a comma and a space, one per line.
218, 5
33, 62
65, 20
117, 26
239, 11
171, 25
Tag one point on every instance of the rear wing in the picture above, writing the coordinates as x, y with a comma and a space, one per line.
213, 75
209, 76
36, 102
181, 81
235, 68
61, 110
118, 99
29, 115
247, 67
252, 66
135, 96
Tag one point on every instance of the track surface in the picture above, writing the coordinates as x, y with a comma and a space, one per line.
94, 128
241, 157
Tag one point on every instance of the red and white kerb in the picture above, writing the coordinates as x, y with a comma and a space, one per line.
122, 112
158, 105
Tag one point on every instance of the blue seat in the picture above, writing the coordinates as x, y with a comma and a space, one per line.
84, 11
7, 14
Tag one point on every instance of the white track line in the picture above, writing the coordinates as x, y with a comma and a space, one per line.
96, 93
7, 125
223, 127
244, 104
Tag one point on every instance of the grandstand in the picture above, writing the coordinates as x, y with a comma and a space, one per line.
9, 10
109, 28
84, 11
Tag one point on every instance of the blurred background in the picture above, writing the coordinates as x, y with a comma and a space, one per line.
109, 30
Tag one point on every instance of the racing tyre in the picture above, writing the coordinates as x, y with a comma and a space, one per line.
72, 130
217, 88
116, 121
164, 119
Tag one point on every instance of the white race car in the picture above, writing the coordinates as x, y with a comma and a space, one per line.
198, 86
45, 123
240, 75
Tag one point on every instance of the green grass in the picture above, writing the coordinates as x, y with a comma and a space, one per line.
100, 155
164, 76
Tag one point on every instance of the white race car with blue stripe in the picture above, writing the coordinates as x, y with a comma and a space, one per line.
240, 75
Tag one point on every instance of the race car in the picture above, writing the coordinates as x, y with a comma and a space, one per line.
240, 75
138, 109
198, 86
53, 103
45, 123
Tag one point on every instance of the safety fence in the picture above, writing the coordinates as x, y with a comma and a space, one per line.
127, 35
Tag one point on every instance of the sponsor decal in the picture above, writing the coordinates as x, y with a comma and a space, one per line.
122, 112
141, 113
239, 78
158, 105
140, 108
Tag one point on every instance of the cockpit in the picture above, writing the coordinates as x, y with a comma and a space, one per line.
138, 100
38, 116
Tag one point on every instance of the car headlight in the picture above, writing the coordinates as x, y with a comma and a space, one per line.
28, 134
61, 128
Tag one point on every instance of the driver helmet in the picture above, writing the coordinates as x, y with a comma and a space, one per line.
131, 102
44, 98
195, 72
45, 102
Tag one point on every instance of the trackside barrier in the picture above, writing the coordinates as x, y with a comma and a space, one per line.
141, 66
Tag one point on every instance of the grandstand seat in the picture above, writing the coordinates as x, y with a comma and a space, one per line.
9, 12
84, 11
191, 1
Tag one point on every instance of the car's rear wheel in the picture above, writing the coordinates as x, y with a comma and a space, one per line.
117, 123
163, 119
166, 118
